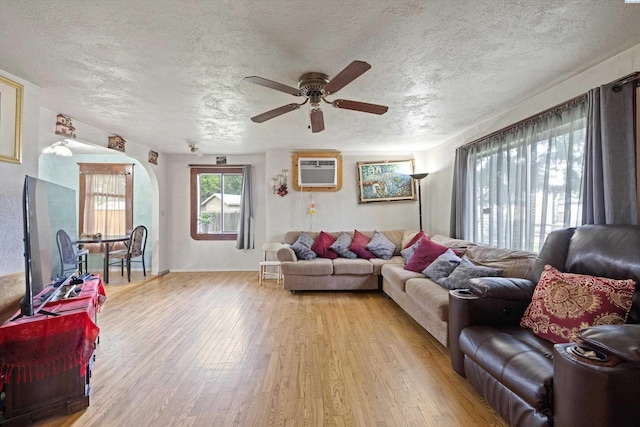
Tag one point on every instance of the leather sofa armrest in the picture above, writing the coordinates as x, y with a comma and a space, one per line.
286, 254
467, 308
620, 340
502, 287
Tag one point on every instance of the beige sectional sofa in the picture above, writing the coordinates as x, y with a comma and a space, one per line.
424, 300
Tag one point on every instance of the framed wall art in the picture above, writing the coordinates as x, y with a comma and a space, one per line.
10, 121
386, 181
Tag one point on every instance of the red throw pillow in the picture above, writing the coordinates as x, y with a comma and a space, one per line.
426, 252
564, 303
322, 244
358, 245
415, 238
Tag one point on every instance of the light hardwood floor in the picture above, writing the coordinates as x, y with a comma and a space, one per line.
217, 349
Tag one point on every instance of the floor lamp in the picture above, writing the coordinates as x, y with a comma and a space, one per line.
418, 177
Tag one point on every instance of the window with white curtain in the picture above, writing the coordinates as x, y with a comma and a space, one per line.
106, 198
524, 182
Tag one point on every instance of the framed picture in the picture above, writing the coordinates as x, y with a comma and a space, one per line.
10, 121
117, 142
153, 157
386, 181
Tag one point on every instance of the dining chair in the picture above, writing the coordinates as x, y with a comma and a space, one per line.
71, 259
135, 249
269, 251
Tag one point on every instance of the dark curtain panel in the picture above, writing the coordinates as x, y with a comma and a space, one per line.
610, 195
458, 193
246, 229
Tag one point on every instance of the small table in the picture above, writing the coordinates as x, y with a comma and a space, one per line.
107, 241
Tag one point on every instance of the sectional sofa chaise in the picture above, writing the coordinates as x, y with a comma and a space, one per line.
422, 298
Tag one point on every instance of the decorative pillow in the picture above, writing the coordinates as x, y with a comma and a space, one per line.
419, 235
459, 278
341, 246
425, 254
359, 245
381, 246
322, 246
564, 303
407, 253
443, 266
302, 247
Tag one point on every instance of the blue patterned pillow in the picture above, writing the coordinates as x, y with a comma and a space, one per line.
443, 266
459, 278
302, 247
381, 246
341, 246
407, 253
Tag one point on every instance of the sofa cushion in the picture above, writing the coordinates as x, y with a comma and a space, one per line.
379, 262
341, 246
352, 266
359, 243
430, 296
512, 263
443, 266
465, 271
515, 357
302, 247
322, 246
564, 303
459, 245
426, 252
315, 267
396, 275
381, 246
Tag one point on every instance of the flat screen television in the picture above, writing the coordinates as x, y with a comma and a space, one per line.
47, 208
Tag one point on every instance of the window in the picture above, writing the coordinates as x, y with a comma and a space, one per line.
106, 198
522, 183
216, 194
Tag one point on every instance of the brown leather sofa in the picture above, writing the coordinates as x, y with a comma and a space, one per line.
530, 381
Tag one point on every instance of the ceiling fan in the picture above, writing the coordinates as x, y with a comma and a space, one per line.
315, 87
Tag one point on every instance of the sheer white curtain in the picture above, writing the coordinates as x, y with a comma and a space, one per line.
105, 204
515, 187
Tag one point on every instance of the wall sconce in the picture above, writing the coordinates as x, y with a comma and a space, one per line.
59, 149
195, 150
279, 183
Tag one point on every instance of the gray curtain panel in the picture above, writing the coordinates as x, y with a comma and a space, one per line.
246, 229
610, 195
459, 192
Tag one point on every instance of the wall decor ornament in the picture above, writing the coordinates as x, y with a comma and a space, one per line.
117, 143
279, 183
64, 126
11, 94
153, 157
385, 181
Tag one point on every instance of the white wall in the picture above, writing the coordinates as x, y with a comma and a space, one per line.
336, 211
440, 159
187, 254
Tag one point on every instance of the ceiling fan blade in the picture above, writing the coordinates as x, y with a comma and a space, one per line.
346, 76
360, 106
273, 85
274, 113
317, 121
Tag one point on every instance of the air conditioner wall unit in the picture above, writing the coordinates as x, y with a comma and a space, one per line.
317, 172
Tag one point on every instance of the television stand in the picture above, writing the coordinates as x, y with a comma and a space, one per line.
47, 360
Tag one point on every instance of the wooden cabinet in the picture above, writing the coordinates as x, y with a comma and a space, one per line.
46, 360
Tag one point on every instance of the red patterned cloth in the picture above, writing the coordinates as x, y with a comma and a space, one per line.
33, 347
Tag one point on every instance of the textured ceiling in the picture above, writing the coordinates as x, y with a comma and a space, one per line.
163, 72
